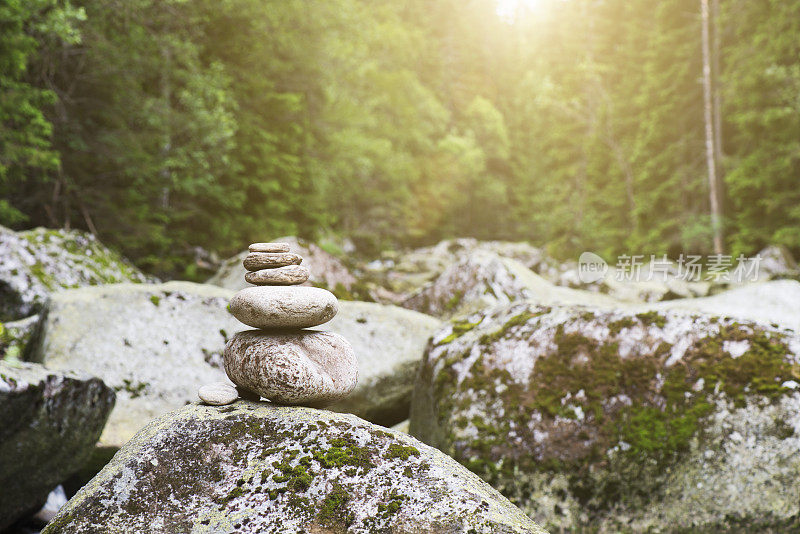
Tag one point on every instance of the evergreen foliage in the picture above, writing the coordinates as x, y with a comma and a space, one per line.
161, 125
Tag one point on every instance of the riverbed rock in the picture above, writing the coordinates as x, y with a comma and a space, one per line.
49, 423
257, 467
610, 420
389, 342
269, 307
289, 275
153, 344
37, 262
305, 367
485, 279
327, 270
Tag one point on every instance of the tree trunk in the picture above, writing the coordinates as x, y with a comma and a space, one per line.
716, 219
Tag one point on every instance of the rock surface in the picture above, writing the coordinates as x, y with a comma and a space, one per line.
485, 279
38, 262
153, 344
326, 270
306, 367
280, 276
49, 423
615, 421
776, 302
389, 342
256, 467
270, 307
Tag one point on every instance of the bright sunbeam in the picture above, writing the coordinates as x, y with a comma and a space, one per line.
509, 9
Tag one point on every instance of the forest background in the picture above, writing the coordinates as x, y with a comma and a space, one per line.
166, 125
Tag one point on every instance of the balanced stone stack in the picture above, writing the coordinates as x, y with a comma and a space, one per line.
282, 360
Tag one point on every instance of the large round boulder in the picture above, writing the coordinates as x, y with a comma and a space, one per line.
153, 344
256, 467
620, 421
49, 423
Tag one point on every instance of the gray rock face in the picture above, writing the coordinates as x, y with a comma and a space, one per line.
280, 276
256, 467
38, 262
768, 303
305, 367
485, 279
326, 270
255, 261
153, 344
49, 423
614, 421
389, 342
270, 307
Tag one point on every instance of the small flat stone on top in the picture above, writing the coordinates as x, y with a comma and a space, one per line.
280, 276
269, 247
218, 394
256, 261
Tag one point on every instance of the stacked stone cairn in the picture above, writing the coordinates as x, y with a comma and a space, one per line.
283, 361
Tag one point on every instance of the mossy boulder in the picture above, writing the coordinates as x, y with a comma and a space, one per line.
38, 262
154, 344
257, 467
49, 423
389, 342
613, 421
14, 337
484, 279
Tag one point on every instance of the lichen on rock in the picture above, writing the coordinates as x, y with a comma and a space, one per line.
582, 415
40, 261
257, 467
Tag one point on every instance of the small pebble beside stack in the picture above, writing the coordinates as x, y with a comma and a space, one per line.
282, 361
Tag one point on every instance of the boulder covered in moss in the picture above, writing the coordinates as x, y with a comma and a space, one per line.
38, 262
327, 270
49, 423
153, 344
258, 467
389, 342
14, 337
485, 279
616, 421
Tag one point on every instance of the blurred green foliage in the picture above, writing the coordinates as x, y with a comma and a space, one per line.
164, 125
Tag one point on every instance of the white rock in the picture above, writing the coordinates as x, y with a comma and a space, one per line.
284, 307
306, 367
218, 394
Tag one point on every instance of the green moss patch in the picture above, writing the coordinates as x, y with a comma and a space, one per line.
599, 411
